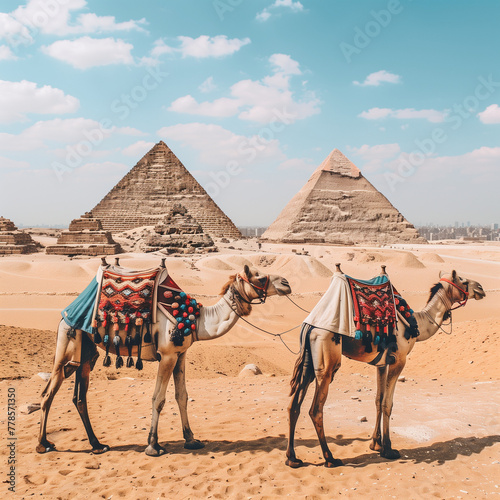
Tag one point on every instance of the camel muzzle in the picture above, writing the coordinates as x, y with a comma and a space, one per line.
283, 287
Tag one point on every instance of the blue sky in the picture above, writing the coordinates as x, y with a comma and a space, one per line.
251, 96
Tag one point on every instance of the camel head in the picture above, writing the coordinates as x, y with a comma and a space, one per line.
459, 288
255, 287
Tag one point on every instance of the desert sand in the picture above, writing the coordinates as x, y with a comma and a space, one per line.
445, 420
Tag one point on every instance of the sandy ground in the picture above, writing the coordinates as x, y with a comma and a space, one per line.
445, 419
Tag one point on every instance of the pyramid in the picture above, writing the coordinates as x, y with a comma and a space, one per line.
338, 205
151, 189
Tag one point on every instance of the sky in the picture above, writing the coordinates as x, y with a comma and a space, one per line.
251, 95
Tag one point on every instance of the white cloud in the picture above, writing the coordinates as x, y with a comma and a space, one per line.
490, 115
54, 18
259, 101
206, 46
160, 48
376, 113
222, 107
218, 146
13, 31
6, 53
202, 47
377, 152
8, 163
17, 99
375, 79
430, 115
208, 85
138, 149
294, 6
129, 131
374, 156
285, 64
297, 164
87, 52
263, 16
69, 131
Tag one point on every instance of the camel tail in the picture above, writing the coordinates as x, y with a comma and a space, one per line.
304, 364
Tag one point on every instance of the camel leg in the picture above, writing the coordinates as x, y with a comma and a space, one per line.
62, 356
80, 401
376, 443
165, 369
326, 358
55, 381
392, 377
293, 415
181, 397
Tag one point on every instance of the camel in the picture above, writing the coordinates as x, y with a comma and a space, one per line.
238, 294
321, 354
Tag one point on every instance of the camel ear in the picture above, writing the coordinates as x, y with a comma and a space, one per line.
453, 275
441, 274
246, 270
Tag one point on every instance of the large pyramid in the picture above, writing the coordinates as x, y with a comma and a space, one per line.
338, 205
151, 189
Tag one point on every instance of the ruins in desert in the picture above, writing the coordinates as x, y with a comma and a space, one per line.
85, 236
338, 205
14, 241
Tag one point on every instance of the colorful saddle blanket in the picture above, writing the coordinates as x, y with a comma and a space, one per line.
119, 299
376, 306
365, 310
126, 298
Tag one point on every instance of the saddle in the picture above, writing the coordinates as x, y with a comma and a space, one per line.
124, 300
377, 308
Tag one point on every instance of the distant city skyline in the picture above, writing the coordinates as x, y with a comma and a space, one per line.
251, 96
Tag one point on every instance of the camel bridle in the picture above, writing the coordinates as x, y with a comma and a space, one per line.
261, 291
462, 302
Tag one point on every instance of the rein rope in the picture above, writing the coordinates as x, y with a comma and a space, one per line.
234, 308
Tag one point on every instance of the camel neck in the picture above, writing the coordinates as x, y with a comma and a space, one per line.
215, 321
431, 317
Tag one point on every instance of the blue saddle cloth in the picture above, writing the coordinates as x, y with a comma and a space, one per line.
78, 314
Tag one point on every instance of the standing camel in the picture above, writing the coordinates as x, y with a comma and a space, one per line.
238, 294
321, 354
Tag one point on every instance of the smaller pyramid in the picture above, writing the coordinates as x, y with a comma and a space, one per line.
338, 205
13, 241
85, 237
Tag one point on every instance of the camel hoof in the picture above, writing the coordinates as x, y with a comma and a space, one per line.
45, 448
375, 446
193, 445
102, 448
294, 464
155, 450
335, 462
390, 454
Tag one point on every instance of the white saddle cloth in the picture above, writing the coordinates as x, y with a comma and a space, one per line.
334, 312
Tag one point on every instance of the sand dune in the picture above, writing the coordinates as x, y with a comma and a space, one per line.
445, 418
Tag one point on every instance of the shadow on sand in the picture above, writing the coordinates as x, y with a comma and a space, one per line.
439, 452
